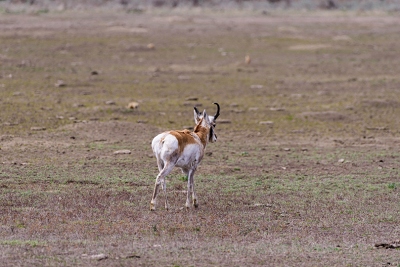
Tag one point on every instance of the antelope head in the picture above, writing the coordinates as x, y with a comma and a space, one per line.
209, 121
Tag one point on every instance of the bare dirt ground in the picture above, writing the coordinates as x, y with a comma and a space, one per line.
304, 173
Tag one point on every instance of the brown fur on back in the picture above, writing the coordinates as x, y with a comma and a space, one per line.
184, 138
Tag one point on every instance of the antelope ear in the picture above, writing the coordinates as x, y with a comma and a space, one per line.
205, 117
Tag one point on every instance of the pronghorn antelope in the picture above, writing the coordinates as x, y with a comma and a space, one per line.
184, 149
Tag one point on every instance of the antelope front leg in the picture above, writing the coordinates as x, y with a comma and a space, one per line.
164, 187
188, 194
190, 190
194, 198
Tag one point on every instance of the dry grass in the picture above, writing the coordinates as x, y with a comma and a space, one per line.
317, 186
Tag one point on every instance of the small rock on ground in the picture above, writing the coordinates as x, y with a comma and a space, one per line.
133, 105
266, 123
121, 152
98, 257
60, 83
224, 121
110, 102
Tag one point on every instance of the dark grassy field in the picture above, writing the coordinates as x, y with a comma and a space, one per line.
304, 173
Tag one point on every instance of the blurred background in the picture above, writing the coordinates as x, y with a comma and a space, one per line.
262, 5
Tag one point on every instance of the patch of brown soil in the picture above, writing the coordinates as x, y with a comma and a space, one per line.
381, 103
323, 116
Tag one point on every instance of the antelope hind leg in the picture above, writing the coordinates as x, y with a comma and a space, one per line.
153, 200
161, 181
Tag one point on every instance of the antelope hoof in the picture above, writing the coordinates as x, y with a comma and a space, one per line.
152, 207
195, 204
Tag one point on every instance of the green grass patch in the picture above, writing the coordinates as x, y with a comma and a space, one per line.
17, 242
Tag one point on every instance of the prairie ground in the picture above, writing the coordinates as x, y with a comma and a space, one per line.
305, 171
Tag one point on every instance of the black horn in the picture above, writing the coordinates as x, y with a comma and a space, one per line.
216, 114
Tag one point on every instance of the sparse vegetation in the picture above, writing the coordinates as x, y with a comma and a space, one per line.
316, 185
38, 7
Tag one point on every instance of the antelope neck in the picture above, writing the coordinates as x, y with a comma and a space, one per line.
202, 132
